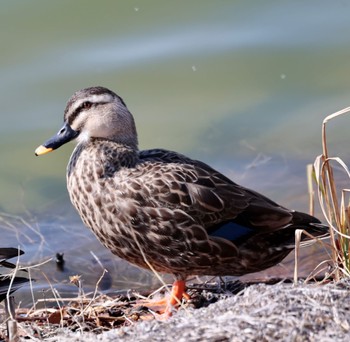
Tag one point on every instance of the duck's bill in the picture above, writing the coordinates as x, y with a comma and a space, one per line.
64, 135
42, 150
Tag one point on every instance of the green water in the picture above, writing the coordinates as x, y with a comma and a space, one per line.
241, 85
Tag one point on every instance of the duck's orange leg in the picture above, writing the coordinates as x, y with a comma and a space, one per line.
178, 291
165, 305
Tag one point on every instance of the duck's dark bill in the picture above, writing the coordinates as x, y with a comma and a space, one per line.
64, 135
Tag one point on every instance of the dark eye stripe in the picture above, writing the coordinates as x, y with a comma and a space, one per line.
73, 116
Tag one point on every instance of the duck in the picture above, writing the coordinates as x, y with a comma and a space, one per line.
161, 210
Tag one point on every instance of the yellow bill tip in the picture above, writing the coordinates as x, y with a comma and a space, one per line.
42, 150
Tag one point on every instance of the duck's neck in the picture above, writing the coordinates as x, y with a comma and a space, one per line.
103, 155
114, 153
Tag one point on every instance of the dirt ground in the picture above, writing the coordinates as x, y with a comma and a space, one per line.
238, 312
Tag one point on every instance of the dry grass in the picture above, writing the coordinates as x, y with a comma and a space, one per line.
95, 312
334, 203
260, 312
282, 312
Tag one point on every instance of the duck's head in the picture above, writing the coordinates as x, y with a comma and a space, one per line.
95, 112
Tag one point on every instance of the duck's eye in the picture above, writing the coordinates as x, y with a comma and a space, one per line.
87, 105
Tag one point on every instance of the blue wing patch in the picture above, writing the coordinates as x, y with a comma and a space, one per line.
231, 231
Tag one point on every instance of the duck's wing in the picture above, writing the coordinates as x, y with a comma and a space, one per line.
211, 198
